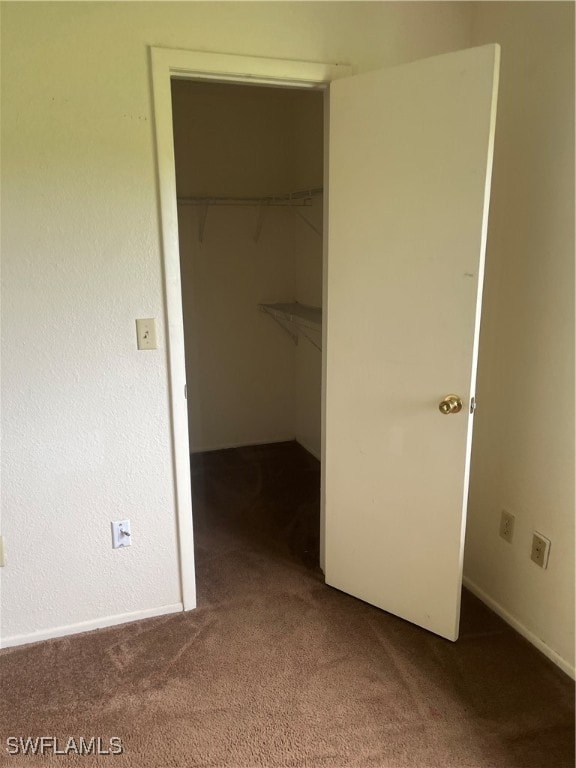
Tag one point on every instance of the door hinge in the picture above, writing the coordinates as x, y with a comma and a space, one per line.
473, 405
185, 391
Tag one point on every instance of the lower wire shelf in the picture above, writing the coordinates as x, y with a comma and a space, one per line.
297, 320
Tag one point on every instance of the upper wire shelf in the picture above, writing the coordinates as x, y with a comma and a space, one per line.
293, 200
302, 197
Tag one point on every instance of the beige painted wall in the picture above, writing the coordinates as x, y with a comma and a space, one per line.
247, 382
308, 363
246, 140
239, 362
86, 418
523, 452
308, 255
86, 430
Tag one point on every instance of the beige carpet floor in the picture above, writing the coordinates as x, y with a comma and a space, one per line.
276, 669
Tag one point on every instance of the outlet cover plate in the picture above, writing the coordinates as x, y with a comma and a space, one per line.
540, 550
507, 526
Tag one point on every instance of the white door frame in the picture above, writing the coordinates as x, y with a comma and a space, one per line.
167, 63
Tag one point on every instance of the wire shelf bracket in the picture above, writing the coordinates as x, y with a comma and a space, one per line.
298, 320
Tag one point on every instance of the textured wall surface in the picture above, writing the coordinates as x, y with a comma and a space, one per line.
523, 452
86, 418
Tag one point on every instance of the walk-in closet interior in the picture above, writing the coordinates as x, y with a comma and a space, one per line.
249, 173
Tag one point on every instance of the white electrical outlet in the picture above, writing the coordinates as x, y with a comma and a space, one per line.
121, 534
506, 526
146, 333
540, 549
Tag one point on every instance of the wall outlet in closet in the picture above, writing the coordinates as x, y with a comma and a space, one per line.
506, 526
540, 549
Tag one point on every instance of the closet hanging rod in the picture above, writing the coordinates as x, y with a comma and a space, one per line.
301, 197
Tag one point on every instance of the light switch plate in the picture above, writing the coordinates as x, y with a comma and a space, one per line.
146, 333
121, 534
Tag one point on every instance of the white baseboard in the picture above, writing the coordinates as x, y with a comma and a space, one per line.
564, 665
87, 626
244, 444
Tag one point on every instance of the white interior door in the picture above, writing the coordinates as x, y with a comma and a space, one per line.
409, 168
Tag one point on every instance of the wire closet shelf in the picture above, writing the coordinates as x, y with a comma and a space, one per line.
297, 320
294, 200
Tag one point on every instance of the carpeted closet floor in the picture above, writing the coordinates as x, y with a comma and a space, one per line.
276, 669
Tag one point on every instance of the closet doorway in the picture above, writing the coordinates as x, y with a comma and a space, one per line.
249, 183
410, 159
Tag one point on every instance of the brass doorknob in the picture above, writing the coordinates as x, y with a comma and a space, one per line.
450, 404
